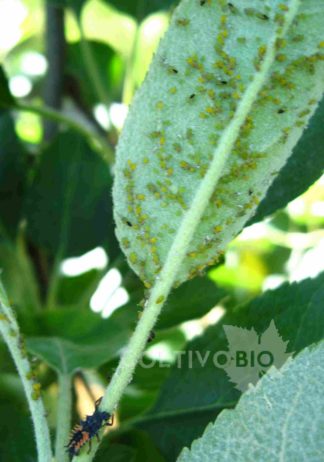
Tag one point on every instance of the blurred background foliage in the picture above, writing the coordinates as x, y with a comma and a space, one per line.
73, 292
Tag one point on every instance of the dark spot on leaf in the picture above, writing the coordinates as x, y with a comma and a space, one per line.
128, 223
192, 96
281, 111
263, 16
202, 2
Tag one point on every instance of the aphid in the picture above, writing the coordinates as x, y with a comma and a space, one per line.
151, 336
87, 429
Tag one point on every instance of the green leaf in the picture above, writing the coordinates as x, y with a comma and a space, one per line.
6, 98
196, 391
303, 168
77, 290
68, 213
266, 424
189, 301
245, 108
115, 453
109, 64
141, 8
18, 443
68, 339
140, 448
13, 168
66, 357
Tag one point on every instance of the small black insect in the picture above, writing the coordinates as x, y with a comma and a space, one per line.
87, 429
281, 111
151, 336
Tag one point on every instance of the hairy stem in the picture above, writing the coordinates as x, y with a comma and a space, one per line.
63, 419
14, 340
179, 248
71, 123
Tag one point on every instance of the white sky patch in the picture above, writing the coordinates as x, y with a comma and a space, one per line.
160, 352
106, 288
12, 15
273, 281
20, 86
102, 116
119, 298
118, 113
33, 63
95, 259
297, 207
318, 209
308, 264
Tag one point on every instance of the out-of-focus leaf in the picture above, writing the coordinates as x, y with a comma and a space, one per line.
80, 326
77, 5
110, 67
74, 288
115, 453
69, 208
191, 300
266, 424
193, 394
6, 98
17, 443
302, 169
142, 447
12, 175
75, 338
66, 357
141, 8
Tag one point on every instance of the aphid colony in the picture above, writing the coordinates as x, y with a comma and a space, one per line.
87, 429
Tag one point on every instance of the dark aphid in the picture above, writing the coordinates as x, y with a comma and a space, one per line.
87, 429
263, 16
281, 111
128, 223
192, 96
151, 336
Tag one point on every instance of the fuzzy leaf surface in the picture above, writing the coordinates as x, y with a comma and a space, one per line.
228, 95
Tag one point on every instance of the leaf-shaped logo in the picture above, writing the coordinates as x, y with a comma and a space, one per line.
250, 356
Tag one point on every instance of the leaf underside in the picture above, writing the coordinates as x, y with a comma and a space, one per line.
280, 419
205, 68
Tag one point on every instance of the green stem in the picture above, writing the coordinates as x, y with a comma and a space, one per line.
63, 420
91, 67
12, 336
61, 118
180, 245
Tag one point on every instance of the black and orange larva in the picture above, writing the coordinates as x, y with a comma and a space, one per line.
87, 429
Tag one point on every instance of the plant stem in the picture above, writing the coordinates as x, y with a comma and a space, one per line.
179, 247
48, 113
14, 340
91, 67
63, 419
55, 53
